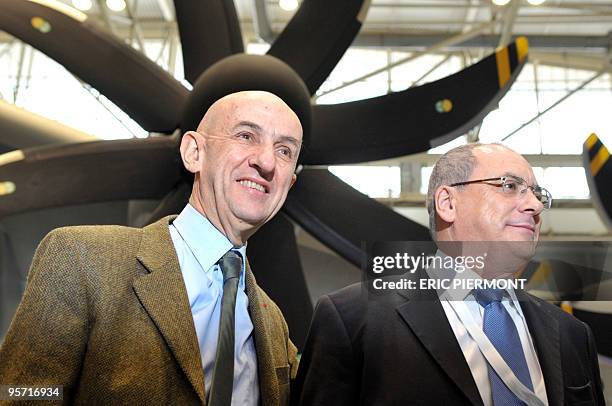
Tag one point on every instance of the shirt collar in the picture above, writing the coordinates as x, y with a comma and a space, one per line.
205, 241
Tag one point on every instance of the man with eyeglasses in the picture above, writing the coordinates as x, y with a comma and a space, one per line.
459, 346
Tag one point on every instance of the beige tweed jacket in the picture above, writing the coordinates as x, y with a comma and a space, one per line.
105, 313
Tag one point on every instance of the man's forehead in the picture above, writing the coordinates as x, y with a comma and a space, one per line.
497, 160
246, 106
238, 105
251, 97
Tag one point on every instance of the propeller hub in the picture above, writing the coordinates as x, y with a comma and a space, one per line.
242, 72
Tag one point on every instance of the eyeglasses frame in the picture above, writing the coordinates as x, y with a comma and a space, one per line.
503, 179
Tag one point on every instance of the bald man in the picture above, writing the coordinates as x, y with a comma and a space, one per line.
415, 346
119, 315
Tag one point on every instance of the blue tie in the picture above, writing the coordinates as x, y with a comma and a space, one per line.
501, 331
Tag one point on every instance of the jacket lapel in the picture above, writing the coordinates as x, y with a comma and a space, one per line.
162, 293
268, 381
544, 329
426, 318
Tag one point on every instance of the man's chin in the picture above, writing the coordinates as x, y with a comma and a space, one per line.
516, 233
254, 219
523, 249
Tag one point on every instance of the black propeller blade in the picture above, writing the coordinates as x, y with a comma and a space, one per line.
317, 36
415, 119
87, 173
209, 32
346, 217
598, 168
129, 79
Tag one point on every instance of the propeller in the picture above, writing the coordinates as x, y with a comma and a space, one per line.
311, 44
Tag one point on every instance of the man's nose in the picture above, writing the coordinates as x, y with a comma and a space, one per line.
264, 159
530, 202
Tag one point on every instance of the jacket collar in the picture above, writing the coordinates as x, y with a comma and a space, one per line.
162, 292
422, 311
258, 307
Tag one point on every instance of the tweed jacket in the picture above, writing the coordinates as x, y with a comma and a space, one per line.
106, 315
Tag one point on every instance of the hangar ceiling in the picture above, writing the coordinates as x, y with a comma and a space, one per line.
567, 27
565, 33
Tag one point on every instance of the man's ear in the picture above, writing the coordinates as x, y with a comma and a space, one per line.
191, 151
445, 204
293, 179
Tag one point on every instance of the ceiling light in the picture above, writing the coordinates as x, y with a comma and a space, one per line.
116, 5
288, 5
83, 5
535, 2
500, 2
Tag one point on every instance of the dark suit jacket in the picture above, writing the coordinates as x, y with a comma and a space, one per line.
105, 313
399, 349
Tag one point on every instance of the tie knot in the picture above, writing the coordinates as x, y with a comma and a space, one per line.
485, 296
231, 265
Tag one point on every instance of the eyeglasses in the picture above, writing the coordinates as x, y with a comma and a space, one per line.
514, 186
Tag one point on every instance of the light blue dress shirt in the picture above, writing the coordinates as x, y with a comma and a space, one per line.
199, 246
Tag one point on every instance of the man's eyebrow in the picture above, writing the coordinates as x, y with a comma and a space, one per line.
289, 139
513, 175
256, 127
249, 124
